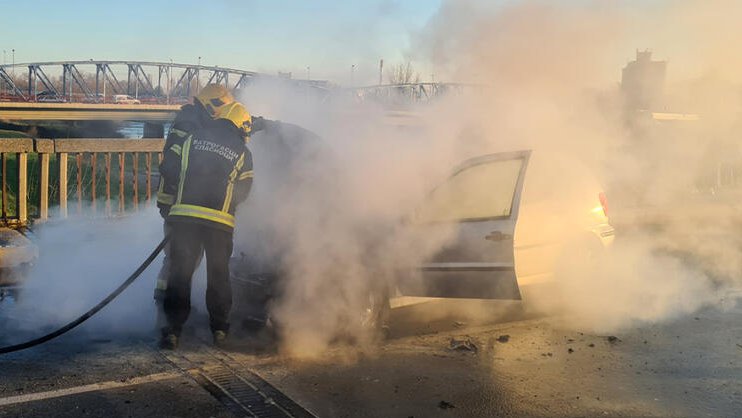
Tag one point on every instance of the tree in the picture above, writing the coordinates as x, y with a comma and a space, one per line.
404, 74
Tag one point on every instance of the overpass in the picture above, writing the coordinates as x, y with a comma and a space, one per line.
30, 111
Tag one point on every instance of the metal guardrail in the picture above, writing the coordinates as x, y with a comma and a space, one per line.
99, 165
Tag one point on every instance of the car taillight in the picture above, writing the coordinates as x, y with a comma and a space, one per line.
603, 202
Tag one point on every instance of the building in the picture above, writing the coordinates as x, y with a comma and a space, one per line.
643, 81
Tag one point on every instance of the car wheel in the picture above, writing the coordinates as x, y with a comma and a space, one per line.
376, 313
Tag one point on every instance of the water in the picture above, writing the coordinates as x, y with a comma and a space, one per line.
135, 130
132, 129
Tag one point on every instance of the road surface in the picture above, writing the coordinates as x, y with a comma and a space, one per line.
533, 367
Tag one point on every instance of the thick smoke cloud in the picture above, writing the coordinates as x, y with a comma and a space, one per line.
81, 262
543, 76
547, 79
553, 71
329, 202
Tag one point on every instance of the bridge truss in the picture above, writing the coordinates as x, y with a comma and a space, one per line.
408, 93
94, 81
173, 83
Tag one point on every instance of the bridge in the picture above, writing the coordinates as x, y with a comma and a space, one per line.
168, 83
152, 81
409, 92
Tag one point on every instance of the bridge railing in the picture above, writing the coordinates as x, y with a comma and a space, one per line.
42, 178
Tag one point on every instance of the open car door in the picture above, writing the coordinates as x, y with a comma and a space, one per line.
477, 210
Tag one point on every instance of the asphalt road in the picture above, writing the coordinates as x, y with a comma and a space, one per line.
689, 367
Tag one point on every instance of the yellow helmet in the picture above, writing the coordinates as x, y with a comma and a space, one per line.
237, 114
213, 97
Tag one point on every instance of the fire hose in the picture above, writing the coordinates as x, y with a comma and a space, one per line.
87, 315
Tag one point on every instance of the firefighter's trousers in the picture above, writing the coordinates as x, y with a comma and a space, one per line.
164, 273
188, 241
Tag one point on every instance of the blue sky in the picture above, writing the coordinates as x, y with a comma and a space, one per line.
262, 35
329, 36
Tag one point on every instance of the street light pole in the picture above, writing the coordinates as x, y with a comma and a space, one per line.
381, 71
198, 75
352, 75
169, 80
13, 62
4, 62
308, 74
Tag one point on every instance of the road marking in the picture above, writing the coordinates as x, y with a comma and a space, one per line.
113, 384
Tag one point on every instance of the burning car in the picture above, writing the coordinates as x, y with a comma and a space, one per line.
504, 221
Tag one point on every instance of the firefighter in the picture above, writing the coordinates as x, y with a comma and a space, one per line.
190, 117
211, 173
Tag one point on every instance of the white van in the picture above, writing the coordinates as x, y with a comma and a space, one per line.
125, 99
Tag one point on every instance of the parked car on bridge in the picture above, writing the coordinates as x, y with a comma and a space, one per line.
47, 96
96, 98
125, 99
510, 218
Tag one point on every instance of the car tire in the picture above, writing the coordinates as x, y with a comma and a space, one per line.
375, 316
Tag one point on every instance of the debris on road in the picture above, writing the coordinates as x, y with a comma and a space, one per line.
570, 350
462, 345
445, 405
503, 338
613, 339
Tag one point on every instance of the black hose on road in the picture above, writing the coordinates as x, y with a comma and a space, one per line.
94, 310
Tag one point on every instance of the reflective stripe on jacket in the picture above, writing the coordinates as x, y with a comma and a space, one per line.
211, 173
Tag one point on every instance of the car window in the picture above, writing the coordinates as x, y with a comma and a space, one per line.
479, 192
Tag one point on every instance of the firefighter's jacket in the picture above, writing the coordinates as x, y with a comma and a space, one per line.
189, 118
211, 173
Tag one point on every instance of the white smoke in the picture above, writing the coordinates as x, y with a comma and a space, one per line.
81, 262
545, 78
553, 72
